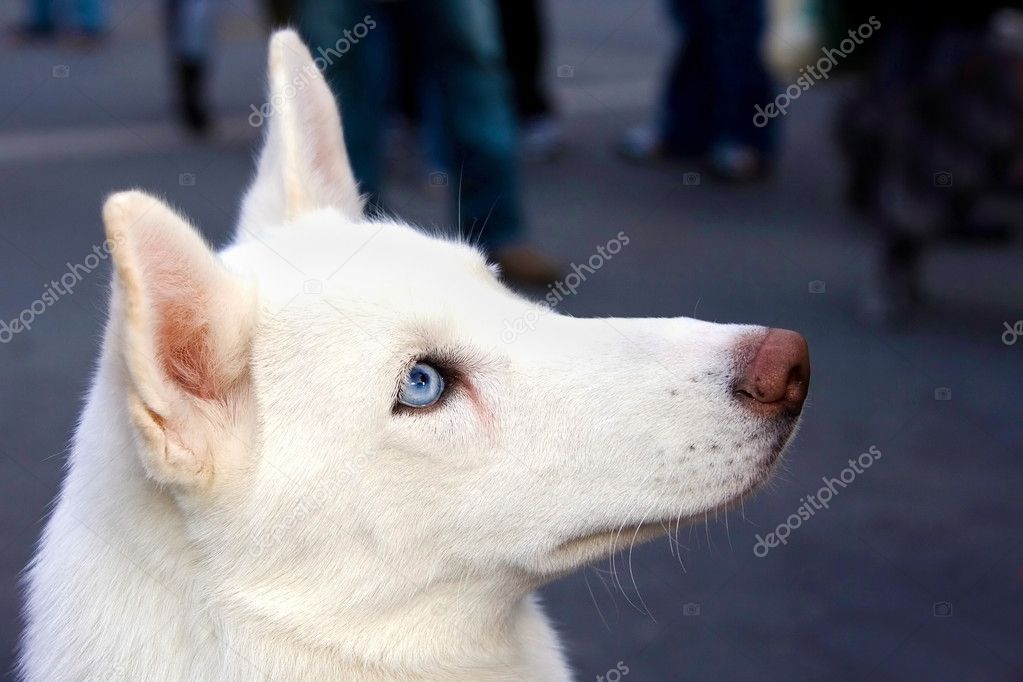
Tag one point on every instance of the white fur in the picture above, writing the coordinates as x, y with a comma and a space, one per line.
282, 521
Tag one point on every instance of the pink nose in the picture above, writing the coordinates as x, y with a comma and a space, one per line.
773, 373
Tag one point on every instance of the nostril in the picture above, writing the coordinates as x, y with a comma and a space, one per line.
798, 376
772, 372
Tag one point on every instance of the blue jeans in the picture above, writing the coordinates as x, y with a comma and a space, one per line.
191, 28
716, 78
89, 15
464, 87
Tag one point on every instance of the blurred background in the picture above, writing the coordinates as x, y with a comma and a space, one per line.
853, 172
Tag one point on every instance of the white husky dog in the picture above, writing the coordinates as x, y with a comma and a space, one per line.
357, 479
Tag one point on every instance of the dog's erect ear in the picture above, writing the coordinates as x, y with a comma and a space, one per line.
182, 324
304, 165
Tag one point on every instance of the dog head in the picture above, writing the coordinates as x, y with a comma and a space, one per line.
334, 407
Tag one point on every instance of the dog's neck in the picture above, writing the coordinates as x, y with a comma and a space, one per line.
134, 599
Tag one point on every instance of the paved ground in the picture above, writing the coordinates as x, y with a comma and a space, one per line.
916, 569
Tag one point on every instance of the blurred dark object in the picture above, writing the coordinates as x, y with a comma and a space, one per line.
525, 42
933, 137
454, 63
87, 21
190, 76
280, 13
190, 34
715, 81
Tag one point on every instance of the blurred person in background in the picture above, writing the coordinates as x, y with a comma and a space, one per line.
463, 86
714, 82
522, 30
191, 31
933, 136
541, 134
87, 21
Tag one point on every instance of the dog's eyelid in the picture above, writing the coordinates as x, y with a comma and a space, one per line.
451, 358
451, 368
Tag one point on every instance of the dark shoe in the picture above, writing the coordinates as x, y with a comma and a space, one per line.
641, 144
894, 296
525, 266
736, 163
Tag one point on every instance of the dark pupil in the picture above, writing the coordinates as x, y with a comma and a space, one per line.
420, 378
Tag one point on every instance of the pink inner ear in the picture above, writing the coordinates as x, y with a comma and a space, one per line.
184, 341
185, 352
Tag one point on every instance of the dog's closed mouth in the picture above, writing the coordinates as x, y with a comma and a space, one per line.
613, 539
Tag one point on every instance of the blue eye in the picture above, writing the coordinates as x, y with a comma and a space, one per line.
422, 387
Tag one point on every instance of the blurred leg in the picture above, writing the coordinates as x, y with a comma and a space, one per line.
541, 135
462, 46
895, 292
522, 33
349, 36
89, 15
190, 34
684, 117
192, 29
739, 79
406, 75
40, 15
